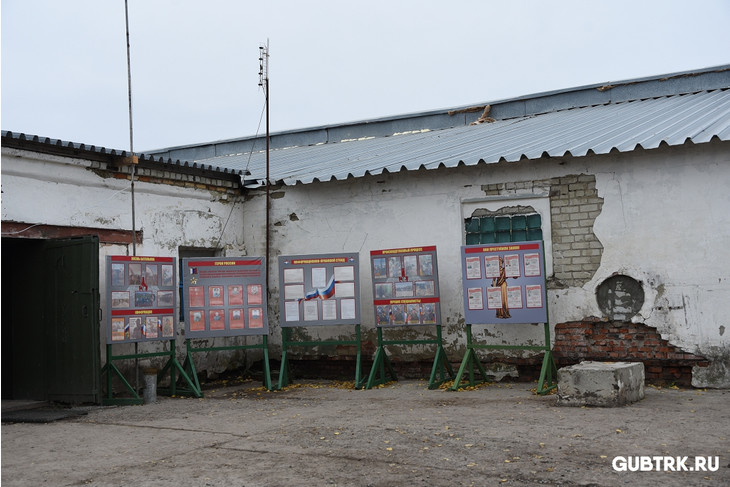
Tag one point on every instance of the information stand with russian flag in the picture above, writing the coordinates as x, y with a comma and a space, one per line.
318, 290
406, 293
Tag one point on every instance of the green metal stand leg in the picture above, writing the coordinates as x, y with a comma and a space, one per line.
441, 364
173, 370
377, 363
135, 399
190, 376
107, 368
283, 369
110, 369
549, 369
469, 361
380, 362
267, 368
193, 372
358, 359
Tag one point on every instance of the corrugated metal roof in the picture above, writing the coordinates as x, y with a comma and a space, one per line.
47, 144
624, 126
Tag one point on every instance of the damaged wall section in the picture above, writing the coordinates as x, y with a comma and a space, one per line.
612, 341
574, 207
601, 216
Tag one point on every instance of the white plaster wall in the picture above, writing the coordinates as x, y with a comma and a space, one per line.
665, 221
381, 212
60, 191
51, 190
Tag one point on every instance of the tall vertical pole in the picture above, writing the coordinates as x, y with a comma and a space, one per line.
268, 183
131, 189
131, 131
264, 81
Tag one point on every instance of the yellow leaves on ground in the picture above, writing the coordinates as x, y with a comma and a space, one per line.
449, 384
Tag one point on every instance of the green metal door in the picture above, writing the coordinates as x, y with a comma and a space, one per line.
71, 319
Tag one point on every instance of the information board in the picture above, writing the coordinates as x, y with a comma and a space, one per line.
224, 296
141, 295
319, 289
405, 286
504, 283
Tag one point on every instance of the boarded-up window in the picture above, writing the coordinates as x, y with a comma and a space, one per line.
505, 228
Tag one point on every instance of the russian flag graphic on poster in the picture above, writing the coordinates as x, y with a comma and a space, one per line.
329, 291
322, 293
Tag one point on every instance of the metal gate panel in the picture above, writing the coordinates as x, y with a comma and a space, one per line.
71, 319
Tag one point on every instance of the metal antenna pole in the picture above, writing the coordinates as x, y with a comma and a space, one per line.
264, 82
131, 131
131, 153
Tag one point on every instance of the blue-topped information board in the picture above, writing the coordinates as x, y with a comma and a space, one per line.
504, 283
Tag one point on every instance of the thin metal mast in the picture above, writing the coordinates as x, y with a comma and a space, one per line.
264, 82
131, 131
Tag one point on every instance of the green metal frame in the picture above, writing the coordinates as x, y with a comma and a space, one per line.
381, 361
196, 390
548, 373
286, 343
172, 365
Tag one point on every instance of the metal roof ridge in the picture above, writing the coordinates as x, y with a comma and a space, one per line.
476, 107
63, 144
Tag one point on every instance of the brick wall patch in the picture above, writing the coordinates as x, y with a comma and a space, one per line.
619, 341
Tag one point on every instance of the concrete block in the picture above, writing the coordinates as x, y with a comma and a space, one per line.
606, 384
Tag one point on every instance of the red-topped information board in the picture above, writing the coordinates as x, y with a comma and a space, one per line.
320, 289
405, 286
141, 295
224, 296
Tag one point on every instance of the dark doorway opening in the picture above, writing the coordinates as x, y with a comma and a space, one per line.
50, 319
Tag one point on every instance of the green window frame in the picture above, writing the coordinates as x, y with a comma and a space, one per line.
503, 228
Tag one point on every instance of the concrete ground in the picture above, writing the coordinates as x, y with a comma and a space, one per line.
326, 433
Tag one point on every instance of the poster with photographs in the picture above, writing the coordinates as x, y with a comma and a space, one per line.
320, 289
224, 296
142, 297
512, 287
405, 286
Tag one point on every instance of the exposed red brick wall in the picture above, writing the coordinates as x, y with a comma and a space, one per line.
590, 339
613, 341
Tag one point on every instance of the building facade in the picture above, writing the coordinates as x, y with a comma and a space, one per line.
624, 182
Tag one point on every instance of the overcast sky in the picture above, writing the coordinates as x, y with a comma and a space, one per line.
194, 63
